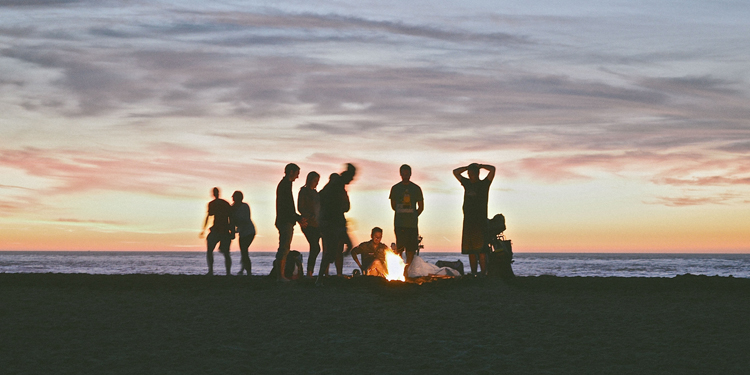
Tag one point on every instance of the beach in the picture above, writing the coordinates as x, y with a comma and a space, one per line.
188, 324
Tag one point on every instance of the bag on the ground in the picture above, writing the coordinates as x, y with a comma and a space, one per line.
501, 257
457, 265
420, 268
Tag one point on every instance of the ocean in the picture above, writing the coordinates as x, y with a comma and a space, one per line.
526, 264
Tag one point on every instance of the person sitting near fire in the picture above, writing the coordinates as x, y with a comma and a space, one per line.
373, 254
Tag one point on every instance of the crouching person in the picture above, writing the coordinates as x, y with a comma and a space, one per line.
373, 254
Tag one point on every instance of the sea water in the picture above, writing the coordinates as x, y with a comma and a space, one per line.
526, 264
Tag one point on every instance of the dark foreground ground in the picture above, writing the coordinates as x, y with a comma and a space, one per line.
162, 324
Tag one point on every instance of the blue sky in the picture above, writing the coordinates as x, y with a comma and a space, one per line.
615, 126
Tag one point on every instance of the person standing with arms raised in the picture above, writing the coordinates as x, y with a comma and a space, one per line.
474, 240
407, 203
286, 217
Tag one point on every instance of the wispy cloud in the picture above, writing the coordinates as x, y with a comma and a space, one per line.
686, 201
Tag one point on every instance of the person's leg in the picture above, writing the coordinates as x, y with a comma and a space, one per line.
245, 243
329, 239
224, 249
473, 263
399, 240
211, 242
410, 238
377, 268
410, 256
312, 234
483, 263
344, 241
285, 243
340, 260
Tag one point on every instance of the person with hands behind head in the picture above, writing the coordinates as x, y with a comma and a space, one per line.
474, 240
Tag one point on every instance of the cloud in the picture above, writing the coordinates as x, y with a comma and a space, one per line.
686, 201
35, 3
738, 147
164, 171
78, 221
339, 23
705, 181
692, 85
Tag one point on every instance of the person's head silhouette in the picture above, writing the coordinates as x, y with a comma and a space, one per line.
237, 197
473, 171
405, 172
291, 171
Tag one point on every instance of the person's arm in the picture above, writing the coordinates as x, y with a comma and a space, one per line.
205, 224
420, 201
457, 172
354, 253
347, 204
393, 200
304, 205
232, 225
491, 169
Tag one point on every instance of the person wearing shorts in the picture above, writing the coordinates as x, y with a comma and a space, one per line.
221, 232
407, 203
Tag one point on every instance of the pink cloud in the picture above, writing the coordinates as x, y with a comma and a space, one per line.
108, 222
168, 170
705, 181
694, 201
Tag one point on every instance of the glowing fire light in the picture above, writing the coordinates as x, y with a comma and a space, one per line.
395, 266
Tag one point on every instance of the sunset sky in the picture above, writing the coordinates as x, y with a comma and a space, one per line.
615, 126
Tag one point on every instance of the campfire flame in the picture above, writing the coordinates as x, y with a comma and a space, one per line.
395, 266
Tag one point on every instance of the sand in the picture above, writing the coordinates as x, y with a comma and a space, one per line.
168, 324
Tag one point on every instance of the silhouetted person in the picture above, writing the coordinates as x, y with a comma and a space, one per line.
286, 216
474, 237
308, 203
221, 232
408, 203
334, 202
245, 229
373, 254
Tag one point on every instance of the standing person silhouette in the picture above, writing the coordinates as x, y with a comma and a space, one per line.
286, 217
308, 203
245, 228
474, 238
221, 231
408, 203
334, 202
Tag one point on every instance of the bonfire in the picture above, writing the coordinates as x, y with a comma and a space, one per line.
395, 266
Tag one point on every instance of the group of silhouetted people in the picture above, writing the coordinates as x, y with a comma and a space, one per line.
321, 216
